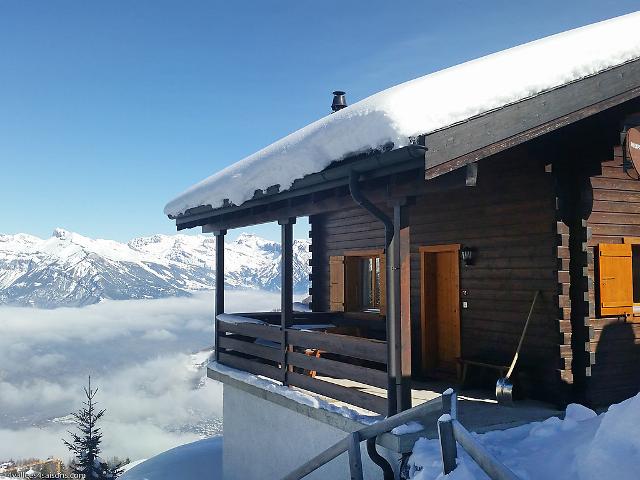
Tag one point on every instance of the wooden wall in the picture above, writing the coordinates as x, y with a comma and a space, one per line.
614, 343
509, 218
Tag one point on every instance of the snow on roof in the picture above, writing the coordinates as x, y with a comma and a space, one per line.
422, 106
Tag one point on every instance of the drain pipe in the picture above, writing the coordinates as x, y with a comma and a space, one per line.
392, 365
364, 202
379, 460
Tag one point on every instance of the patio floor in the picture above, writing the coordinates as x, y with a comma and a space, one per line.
478, 411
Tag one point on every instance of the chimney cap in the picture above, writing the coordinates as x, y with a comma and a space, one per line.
339, 102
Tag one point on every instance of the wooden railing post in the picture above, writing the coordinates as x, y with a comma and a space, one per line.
286, 289
355, 460
219, 305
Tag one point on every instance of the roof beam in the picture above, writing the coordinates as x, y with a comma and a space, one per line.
493, 132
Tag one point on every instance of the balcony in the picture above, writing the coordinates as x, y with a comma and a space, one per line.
317, 352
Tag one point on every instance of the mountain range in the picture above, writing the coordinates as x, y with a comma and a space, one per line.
72, 270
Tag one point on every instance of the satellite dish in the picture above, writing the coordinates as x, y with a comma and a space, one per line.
633, 147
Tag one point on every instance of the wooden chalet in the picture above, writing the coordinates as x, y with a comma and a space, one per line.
426, 258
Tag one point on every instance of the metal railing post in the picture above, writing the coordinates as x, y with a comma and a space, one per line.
450, 403
448, 449
355, 460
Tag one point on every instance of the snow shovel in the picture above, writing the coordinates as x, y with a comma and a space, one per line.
504, 387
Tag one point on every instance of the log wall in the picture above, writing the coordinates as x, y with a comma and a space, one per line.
615, 343
510, 220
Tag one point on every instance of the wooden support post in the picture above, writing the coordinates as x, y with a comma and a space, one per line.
404, 396
393, 341
355, 460
448, 449
286, 289
219, 234
400, 337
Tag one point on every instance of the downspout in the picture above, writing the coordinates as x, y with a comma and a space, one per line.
392, 367
392, 370
364, 202
383, 463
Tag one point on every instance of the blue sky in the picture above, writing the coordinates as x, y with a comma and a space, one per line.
110, 109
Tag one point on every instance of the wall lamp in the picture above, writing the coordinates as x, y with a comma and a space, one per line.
467, 255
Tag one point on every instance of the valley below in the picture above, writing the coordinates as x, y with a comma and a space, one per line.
146, 356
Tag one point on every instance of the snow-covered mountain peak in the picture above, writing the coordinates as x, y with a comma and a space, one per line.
252, 239
61, 233
18, 241
69, 269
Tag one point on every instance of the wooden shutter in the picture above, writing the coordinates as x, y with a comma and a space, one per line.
615, 278
336, 283
383, 284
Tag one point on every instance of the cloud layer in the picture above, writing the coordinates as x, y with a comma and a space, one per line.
142, 354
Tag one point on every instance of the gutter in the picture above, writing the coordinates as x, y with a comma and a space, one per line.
373, 166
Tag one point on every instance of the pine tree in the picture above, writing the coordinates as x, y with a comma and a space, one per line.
86, 445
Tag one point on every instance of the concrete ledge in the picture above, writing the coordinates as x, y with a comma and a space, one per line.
330, 418
477, 416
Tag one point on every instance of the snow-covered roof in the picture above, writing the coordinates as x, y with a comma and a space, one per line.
421, 106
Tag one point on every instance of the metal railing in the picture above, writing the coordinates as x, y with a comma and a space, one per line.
351, 444
451, 432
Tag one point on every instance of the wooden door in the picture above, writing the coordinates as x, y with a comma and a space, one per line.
440, 312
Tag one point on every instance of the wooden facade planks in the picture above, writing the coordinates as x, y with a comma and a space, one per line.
509, 219
614, 343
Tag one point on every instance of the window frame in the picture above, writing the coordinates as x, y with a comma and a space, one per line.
366, 254
635, 315
632, 316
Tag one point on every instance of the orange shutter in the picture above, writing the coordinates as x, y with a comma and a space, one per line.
336, 283
615, 279
383, 284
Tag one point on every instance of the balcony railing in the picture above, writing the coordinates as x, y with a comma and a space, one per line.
316, 353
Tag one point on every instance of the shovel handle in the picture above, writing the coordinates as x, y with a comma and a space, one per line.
524, 331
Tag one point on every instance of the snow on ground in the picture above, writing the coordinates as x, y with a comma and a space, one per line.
421, 106
193, 461
583, 446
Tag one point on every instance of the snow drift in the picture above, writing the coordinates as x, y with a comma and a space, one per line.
193, 461
583, 446
422, 106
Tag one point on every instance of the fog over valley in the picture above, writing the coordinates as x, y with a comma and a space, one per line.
147, 357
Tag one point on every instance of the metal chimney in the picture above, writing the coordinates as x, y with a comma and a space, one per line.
339, 101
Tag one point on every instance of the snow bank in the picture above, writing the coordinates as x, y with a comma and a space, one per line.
583, 446
193, 461
614, 451
421, 106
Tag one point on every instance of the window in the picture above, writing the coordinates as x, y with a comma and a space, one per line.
635, 270
618, 274
367, 272
357, 282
